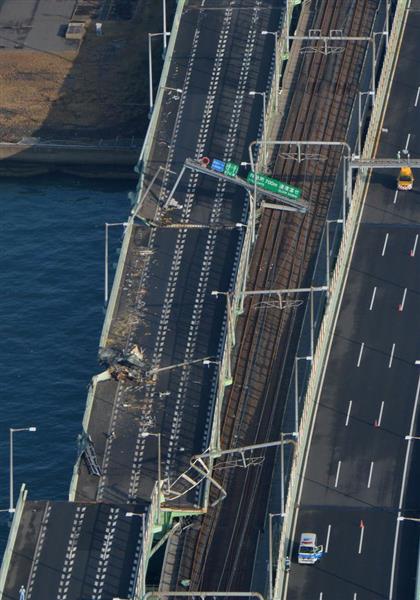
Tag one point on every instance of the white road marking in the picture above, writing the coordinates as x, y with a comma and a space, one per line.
407, 142
417, 96
407, 455
385, 243
327, 542
380, 413
321, 595
362, 534
370, 474
348, 412
373, 298
395, 197
391, 358
355, 596
360, 354
338, 473
403, 299
414, 248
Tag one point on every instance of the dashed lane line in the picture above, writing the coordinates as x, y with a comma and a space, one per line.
385, 244
362, 347
337, 475
370, 474
348, 412
372, 300
391, 358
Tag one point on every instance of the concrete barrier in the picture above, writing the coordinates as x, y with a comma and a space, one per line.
12, 538
338, 282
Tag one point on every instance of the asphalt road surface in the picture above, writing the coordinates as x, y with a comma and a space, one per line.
69, 551
359, 463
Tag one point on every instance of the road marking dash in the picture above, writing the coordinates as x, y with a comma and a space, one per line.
327, 542
385, 244
373, 298
362, 534
391, 358
360, 354
395, 197
348, 412
401, 305
370, 474
417, 97
338, 473
414, 248
380, 413
407, 142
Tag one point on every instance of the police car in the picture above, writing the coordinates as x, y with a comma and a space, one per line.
309, 553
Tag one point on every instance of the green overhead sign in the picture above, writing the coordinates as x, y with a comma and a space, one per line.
275, 186
231, 169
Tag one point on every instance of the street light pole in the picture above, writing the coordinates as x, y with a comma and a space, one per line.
270, 553
359, 137
297, 359
143, 546
264, 97
276, 65
146, 434
164, 26
152, 35
106, 266
327, 235
11, 478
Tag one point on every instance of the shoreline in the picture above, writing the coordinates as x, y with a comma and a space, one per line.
89, 161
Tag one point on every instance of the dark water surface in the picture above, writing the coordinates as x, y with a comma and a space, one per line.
51, 314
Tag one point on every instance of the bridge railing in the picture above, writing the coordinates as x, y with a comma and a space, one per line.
12, 538
338, 281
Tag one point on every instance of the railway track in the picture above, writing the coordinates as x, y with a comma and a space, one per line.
285, 246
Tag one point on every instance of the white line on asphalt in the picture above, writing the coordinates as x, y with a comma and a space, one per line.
403, 299
395, 197
338, 473
370, 474
414, 248
417, 96
360, 354
362, 533
380, 413
373, 298
385, 243
327, 542
392, 356
408, 141
321, 595
348, 412
407, 455
355, 596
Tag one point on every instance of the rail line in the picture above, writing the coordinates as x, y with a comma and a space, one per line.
278, 235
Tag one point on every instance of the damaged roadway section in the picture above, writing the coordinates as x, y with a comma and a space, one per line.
162, 307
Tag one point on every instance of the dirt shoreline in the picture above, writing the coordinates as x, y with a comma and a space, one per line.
97, 93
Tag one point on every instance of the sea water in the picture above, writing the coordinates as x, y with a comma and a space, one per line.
51, 314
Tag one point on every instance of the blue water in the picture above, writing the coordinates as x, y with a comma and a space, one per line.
51, 313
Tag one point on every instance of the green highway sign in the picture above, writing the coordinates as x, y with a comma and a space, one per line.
274, 185
231, 170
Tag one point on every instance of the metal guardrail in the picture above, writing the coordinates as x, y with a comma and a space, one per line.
12, 538
336, 292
